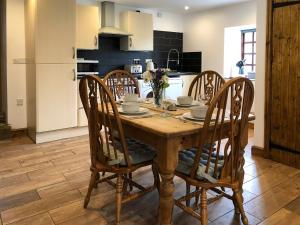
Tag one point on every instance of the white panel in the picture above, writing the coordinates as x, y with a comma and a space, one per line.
56, 97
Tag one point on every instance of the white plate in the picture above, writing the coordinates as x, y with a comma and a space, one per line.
194, 103
189, 116
140, 112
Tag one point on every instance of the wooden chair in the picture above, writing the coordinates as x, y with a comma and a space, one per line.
206, 83
110, 151
121, 82
216, 165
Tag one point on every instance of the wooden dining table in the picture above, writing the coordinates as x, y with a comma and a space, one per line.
168, 133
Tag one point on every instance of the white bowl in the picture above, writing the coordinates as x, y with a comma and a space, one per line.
130, 107
184, 100
199, 111
131, 98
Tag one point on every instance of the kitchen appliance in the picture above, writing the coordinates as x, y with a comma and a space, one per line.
135, 69
86, 67
108, 27
172, 92
150, 65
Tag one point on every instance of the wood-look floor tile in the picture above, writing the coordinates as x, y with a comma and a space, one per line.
259, 167
29, 185
270, 179
268, 203
55, 170
41, 219
18, 200
282, 217
91, 217
294, 206
54, 189
67, 212
23, 170
232, 218
6, 165
8, 181
38, 207
45, 158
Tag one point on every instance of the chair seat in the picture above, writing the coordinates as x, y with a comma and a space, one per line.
186, 161
138, 152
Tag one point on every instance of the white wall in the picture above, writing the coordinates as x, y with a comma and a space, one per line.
204, 31
16, 75
232, 49
261, 29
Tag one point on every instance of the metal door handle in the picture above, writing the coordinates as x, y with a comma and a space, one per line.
74, 53
74, 75
96, 40
130, 42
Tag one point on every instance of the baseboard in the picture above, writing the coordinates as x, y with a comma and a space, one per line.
257, 151
251, 125
287, 158
19, 132
60, 134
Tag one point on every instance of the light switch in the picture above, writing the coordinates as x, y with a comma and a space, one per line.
20, 101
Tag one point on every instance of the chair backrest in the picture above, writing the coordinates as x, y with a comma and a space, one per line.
227, 115
121, 82
206, 83
104, 123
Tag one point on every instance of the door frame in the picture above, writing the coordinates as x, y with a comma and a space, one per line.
268, 83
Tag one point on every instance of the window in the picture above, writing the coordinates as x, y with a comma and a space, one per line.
249, 49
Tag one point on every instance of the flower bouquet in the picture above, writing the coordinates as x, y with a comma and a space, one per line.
158, 80
240, 64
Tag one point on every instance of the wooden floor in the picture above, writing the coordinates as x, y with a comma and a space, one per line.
45, 184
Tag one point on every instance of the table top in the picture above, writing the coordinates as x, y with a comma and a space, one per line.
170, 125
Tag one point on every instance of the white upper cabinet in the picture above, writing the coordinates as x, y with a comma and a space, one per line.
140, 25
55, 31
87, 27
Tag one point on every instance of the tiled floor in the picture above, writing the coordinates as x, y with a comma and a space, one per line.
45, 185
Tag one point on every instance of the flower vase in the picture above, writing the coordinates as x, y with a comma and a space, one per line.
157, 97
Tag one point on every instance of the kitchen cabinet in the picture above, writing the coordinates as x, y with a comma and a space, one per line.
140, 25
87, 27
55, 24
50, 29
56, 102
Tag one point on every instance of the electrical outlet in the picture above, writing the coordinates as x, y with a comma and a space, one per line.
20, 101
148, 60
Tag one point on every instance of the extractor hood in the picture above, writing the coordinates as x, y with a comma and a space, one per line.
108, 28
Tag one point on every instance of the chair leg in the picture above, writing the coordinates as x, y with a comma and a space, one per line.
130, 184
204, 218
90, 188
188, 191
97, 179
156, 176
239, 203
119, 190
196, 198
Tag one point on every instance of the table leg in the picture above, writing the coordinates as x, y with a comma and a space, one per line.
167, 162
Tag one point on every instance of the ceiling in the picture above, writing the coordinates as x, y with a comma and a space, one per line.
178, 5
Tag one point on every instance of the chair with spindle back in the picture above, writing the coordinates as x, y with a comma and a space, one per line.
121, 82
216, 165
206, 83
118, 156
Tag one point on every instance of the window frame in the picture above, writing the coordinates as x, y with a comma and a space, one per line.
253, 42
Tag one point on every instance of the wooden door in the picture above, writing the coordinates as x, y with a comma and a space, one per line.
87, 27
284, 81
56, 97
55, 31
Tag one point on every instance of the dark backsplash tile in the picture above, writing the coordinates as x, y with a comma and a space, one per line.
111, 57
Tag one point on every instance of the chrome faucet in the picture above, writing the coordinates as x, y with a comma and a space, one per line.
172, 60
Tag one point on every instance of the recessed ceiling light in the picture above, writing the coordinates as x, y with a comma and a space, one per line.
186, 7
